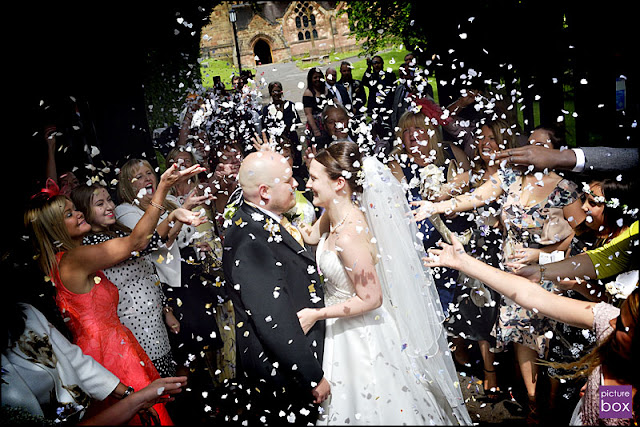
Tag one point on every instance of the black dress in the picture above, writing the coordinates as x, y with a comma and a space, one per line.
286, 126
317, 103
473, 314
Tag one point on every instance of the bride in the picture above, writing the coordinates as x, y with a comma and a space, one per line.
386, 354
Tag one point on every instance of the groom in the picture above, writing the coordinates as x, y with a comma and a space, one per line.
270, 277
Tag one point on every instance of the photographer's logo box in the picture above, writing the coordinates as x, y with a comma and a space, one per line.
615, 401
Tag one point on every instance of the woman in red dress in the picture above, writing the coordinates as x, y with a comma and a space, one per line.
86, 298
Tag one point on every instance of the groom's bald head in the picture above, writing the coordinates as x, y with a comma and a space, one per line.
266, 180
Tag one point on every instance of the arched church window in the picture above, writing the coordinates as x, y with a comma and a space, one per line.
305, 18
300, 36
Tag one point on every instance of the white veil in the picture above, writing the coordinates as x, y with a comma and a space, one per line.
409, 291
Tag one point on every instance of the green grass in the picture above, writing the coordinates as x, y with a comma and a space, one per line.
216, 67
393, 58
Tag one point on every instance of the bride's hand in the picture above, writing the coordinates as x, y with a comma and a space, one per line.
307, 317
425, 209
449, 256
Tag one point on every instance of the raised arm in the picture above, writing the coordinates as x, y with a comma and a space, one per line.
483, 195
85, 260
524, 292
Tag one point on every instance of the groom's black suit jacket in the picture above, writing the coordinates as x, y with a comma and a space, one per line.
270, 277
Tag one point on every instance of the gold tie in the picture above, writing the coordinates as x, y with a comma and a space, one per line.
295, 233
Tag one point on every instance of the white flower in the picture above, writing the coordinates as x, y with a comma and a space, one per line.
613, 203
431, 179
624, 284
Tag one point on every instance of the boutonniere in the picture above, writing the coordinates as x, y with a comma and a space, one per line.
235, 201
294, 217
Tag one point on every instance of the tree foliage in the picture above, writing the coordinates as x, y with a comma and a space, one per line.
379, 23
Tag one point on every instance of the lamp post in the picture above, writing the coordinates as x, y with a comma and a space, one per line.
233, 16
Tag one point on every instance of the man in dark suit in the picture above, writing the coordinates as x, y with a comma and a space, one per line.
337, 90
271, 276
355, 89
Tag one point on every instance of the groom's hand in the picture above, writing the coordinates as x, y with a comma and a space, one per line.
322, 391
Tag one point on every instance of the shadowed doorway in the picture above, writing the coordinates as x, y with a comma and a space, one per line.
263, 51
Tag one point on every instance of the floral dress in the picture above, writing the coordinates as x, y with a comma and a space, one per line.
532, 227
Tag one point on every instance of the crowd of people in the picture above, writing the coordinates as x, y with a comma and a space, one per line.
338, 259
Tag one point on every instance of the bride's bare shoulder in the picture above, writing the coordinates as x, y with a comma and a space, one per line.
355, 236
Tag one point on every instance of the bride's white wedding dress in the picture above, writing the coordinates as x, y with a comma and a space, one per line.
392, 365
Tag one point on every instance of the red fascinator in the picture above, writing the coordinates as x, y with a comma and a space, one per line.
431, 110
50, 190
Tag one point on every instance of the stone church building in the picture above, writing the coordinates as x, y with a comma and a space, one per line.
276, 31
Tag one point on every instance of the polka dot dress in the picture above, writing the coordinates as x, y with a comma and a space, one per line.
140, 305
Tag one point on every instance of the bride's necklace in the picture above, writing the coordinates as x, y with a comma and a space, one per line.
333, 228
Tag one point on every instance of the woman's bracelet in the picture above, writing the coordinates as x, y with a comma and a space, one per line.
157, 206
167, 310
542, 270
128, 392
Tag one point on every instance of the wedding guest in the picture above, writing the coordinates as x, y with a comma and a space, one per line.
280, 118
142, 305
423, 162
336, 121
610, 363
538, 215
137, 184
598, 159
476, 307
201, 258
568, 343
83, 293
314, 98
54, 381
337, 90
381, 85
355, 89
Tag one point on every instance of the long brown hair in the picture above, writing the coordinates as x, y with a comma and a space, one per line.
82, 198
608, 354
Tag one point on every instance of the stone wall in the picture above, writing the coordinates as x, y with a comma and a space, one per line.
281, 36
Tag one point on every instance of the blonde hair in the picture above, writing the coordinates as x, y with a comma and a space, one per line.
421, 121
45, 222
125, 190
